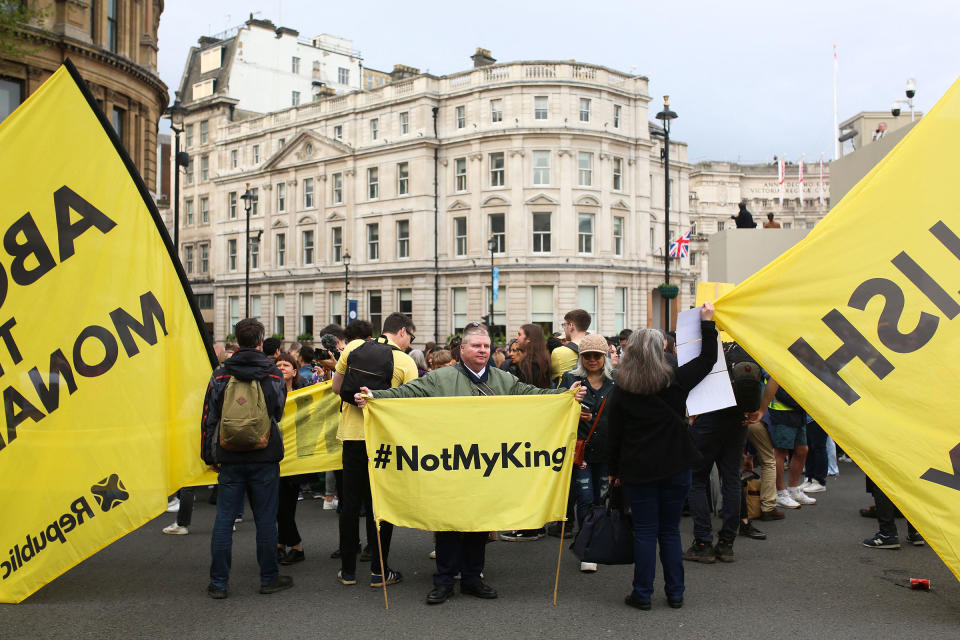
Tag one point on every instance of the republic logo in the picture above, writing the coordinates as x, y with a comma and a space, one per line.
109, 492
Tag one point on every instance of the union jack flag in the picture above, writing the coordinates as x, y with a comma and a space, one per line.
680, 248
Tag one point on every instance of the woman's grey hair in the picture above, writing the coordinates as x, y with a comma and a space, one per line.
419, 359
643, 366
581, 372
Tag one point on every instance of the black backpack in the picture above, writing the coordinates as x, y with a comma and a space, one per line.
369, 365
746, 377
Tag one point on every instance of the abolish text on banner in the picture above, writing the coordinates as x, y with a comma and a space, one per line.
471, 463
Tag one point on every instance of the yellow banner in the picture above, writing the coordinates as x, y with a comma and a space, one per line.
101, 355
859, 322
709, 292
471, 463
309, 427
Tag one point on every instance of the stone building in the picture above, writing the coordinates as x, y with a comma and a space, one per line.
717, 188
113, 44
552, 164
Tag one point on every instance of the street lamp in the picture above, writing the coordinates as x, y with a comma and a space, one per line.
492, 243
176, 112
666, 116
249, 198
346, 285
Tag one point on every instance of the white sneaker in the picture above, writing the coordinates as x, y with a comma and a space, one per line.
588, 567
330, 505
801, 497
176, 530
173, 506
784, 500
813, 486
433, 555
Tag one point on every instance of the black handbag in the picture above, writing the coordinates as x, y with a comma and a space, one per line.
606, 536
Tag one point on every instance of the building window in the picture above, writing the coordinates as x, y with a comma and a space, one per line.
540, 107
306, 313
204, 210
112, 25
338, 132
585, 233
233, 308
404, 122
308, 193
188, 258
375, 307
119, 115
618, 174
234, 159
459, 307
653, 240
619, 309
405, 302
787, 225
541, 307
279, 313
403, 238
232, 205
374, 128
188, 211
496, 110
616, 116
294, 65
720, 225
336, 307
205, 258
541, 233
498, 231
585, 164
188, 172
587, 300
254, 254
308, 247
343, 75
204, 131
373, 241
373, 183
336, 244
281, 196
337, 193
460, 172
584, 109
496, 170
205, 300
255, 307
499, 306
255, 203
617, 236
188, 133
403, 178
541, 167
461, 117
256, 154
460, 235
294, 98
204, 168
281, 249
231, 254
693, 258
11, 95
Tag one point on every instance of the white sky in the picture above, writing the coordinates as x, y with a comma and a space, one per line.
749, 79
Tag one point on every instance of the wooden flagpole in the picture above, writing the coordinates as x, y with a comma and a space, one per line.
383, 572
556, 582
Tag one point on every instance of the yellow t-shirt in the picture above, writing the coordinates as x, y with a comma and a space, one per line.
562, 359
351, 417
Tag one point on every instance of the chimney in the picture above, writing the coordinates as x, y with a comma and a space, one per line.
402, 71
482, 58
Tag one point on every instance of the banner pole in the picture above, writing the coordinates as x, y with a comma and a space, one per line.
556, 582
383, 573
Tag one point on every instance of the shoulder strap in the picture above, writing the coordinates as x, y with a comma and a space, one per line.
482, 388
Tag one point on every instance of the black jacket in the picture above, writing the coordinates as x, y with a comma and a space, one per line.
596, 451
649, 438
245, 364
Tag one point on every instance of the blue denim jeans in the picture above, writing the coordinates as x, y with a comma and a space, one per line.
657, 507
261, 481
588, 485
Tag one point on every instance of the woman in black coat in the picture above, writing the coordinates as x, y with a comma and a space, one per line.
651, 451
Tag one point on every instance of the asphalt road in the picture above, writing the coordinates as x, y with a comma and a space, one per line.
810, 579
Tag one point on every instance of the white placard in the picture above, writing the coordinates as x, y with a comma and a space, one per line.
714, 391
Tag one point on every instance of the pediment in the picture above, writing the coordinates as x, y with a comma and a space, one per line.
306, 146
542, 199
495, 201
278, 223
458, 205
587, 201
620, 204
336, 215
307, 219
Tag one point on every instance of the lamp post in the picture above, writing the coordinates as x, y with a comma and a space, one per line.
666, 116
249, 198
346, 286
180, 159
492, 243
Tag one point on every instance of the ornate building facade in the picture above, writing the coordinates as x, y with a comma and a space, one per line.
546, 169
113, 44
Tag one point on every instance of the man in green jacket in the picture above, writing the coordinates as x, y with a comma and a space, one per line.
463, 552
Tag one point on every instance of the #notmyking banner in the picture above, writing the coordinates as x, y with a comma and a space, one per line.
101, 355
493, 463
859, 322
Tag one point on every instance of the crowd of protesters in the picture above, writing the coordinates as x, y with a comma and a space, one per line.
639, 441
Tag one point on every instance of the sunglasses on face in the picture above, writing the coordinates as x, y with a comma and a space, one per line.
592, 356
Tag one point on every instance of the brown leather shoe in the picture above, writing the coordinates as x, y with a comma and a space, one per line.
773, 514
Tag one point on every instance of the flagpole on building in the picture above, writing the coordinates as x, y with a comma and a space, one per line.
836, 126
